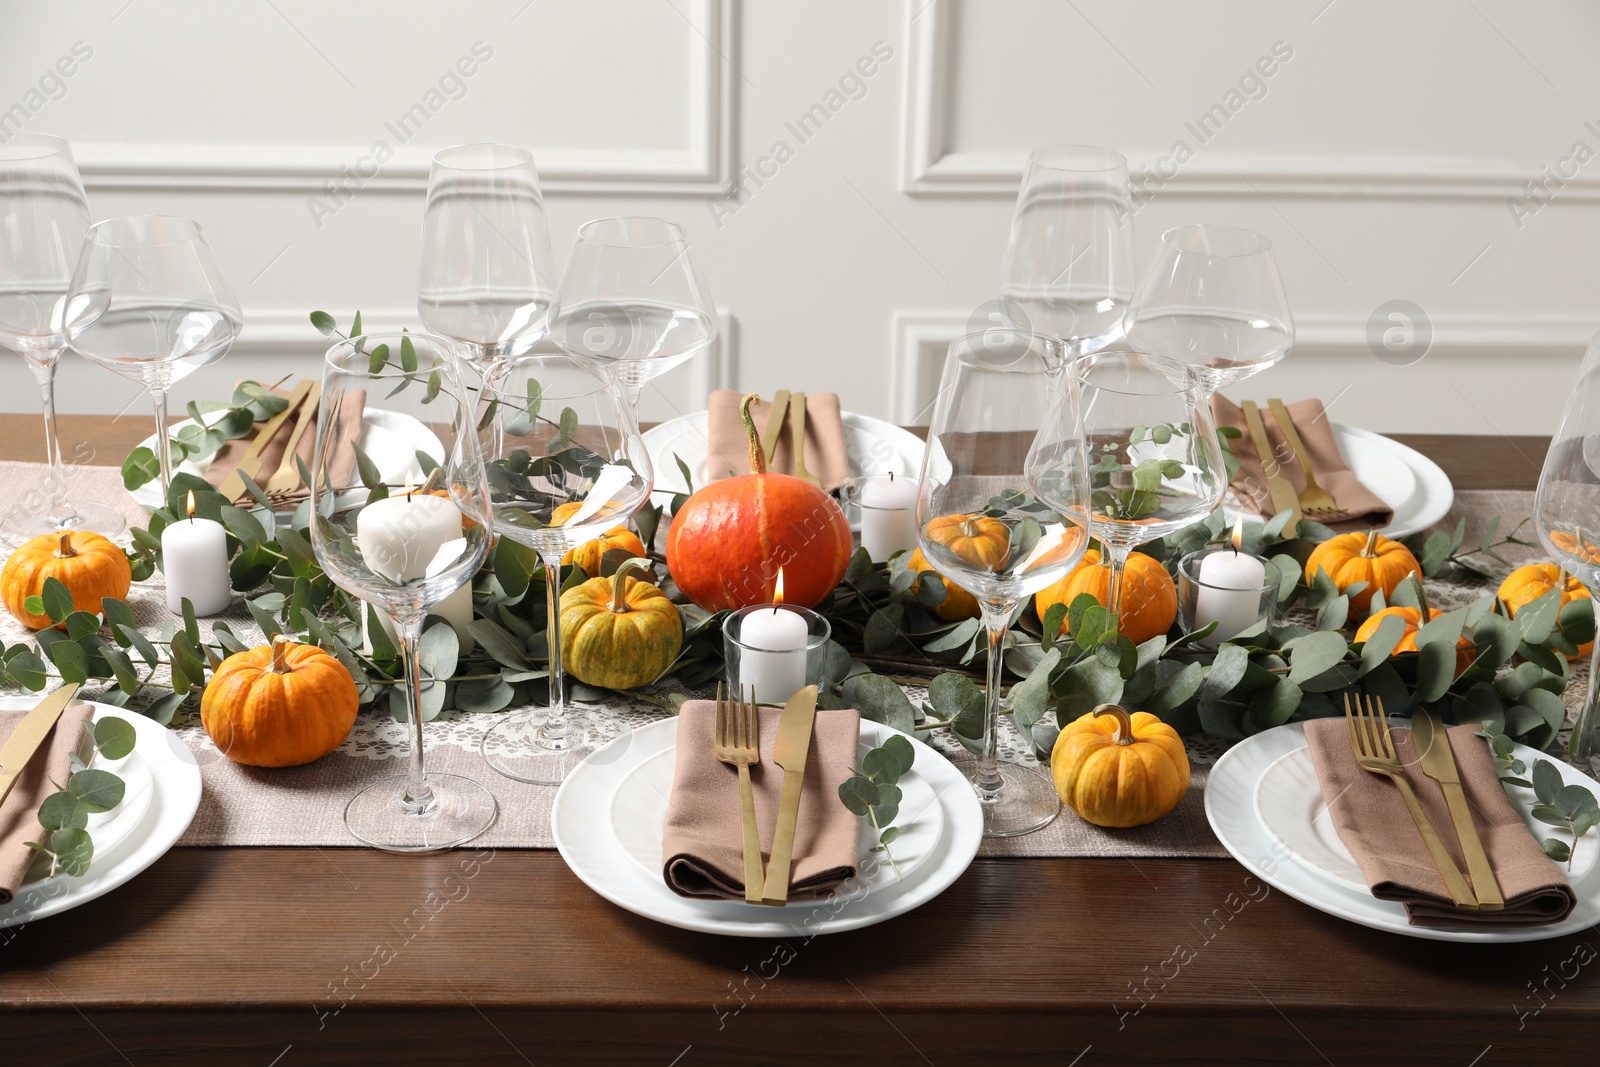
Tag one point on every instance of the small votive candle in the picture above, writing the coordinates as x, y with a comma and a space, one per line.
888, 508
194, 557
1228, 587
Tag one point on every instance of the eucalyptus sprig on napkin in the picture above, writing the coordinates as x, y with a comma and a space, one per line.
873, 793
65, 813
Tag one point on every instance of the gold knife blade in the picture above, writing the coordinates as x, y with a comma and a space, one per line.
1284, 498
29, 734
250, 463
793, 745
1438, 762
775, 417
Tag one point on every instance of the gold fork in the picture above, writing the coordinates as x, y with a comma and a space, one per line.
1313, 498
738, 743
1374, 749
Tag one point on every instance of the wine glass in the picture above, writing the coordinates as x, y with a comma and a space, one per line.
403, 548
1068, 269
566, 462
1213, 299
1566, 513
1001, 509
43, 213
153, 306
487, 277
1154, 463
631, 301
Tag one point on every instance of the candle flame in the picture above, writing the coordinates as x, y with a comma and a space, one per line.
191, 503
1238, 532
408, 490
777, 590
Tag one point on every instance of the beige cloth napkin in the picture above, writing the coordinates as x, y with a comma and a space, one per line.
19, 815
1376, 826
1359, 507
703, 843
342, 471
729, 452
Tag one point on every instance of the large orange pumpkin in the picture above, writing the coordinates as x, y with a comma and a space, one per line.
1412, 618
1363, 557
90, 566
280, 705
1149, 597
589, 554
1528, 583
728, 542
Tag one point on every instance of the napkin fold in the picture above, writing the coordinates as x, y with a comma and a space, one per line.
1358, 506
347, 426
1376, 826
19, 815
729, 452
703, 843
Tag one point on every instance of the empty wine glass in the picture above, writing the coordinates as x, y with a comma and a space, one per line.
1566, 513
1001, 507
1154, 463
487, 278
566, 462
43, 213
403, 547
1068, 269
153, 306
631, 301
1213, 299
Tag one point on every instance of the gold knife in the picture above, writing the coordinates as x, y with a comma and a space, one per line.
1439, 763
1284, 498
29, 735
775, 417
797, 427
794, 743
250, 463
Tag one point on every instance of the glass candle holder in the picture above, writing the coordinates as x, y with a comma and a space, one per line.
778, 649
1232, 593
884, 508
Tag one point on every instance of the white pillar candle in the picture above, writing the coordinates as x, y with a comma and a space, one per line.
1229, 593
194, 557
773, 658
888, 515
400, 537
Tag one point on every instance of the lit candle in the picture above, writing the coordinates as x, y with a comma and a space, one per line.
400, 538
773, 659
888, 515
1230, 590
194, 556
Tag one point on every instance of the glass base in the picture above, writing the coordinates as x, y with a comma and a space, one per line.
459, 810
521, 746
1025, 801
89, 515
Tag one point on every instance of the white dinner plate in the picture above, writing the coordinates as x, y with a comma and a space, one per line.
609, 815
163, 794
1231, 810
1382, 464
391, 438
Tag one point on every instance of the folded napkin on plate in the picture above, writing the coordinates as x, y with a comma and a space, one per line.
342, 470
1358, 506
729, 452
703, 843
1376, 826
19, 815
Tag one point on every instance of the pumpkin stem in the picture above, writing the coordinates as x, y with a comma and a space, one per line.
1124, 734
969, 527
64, 549
619, 582
1422, 600
758, 459
1370, 549
280, 654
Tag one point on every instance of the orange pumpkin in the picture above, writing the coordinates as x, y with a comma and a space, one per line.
1149, 596
1526, 584
1363, 557
1578, 547
1412, 618
279, 706
957, 604
983, 543
90, 566
1116, 769
729, 542
589, 554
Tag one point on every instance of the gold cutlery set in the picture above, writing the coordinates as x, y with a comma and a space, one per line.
792, 406
304, 401
1313, 500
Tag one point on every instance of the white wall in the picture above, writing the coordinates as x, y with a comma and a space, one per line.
1382, 158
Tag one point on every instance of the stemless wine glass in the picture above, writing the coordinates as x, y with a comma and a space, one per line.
631, 301
1154, 463
43, 213
486, 279
1068, 270
1213, 299
406, 551
566, 462
1566, 513
1001, 508
155, 305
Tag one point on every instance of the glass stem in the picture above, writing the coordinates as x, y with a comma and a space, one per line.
418, 796
55, 478
556, 727
1584, 744
163, 447
1119, 560
987, 779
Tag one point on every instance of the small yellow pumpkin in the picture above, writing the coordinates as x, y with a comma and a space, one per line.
1116, 769
1363, 557
957, 604
1149, 597
1528, 583
619, 632
981, 542
589, 554
90, 566
279, 705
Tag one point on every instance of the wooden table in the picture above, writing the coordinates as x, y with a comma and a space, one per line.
297, 957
